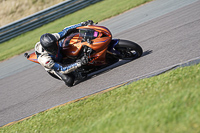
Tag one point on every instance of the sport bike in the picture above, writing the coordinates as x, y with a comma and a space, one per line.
97, 44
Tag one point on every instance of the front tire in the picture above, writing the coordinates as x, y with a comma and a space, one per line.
128, 49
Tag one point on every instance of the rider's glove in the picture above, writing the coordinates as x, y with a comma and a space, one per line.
70, 31
89, 22
83, 60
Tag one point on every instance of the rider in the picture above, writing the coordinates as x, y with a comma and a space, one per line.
50, 57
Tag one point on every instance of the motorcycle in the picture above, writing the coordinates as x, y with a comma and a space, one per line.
97, 43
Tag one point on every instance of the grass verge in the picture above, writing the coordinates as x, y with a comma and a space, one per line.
97, 12
164, 103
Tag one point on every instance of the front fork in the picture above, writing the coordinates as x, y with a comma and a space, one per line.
111, 48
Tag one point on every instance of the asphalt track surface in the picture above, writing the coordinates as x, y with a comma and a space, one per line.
168, 31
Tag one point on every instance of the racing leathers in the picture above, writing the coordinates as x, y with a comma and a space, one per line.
52, 63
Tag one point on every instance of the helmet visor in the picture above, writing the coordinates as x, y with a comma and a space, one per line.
52, 49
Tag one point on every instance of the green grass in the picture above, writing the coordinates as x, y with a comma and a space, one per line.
166, 103
97, 12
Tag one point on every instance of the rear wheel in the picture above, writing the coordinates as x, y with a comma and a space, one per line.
128, 49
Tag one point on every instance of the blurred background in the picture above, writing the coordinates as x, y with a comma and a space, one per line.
12, 10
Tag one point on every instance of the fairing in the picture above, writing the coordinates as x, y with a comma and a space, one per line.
100, 40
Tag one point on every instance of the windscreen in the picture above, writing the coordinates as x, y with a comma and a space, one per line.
88, 33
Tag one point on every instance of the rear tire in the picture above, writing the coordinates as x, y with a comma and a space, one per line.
128, 49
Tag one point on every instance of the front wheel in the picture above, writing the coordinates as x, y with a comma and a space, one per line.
128, 50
